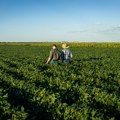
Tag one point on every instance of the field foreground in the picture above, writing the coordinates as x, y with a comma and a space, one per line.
87, 89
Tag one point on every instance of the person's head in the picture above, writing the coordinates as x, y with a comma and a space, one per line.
54, 46
65, 45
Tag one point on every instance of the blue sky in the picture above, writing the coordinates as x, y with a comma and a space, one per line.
59, 20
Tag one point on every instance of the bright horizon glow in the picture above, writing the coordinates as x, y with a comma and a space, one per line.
59, 20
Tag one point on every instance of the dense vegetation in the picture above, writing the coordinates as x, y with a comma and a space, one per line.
87, 89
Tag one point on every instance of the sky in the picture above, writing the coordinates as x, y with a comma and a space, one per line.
59, 20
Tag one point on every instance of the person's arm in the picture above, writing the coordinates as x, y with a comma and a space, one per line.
49, 58
71, 54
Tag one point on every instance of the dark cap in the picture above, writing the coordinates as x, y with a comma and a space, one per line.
54, 45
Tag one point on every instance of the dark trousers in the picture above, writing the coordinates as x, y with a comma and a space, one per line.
54, 62
66, 61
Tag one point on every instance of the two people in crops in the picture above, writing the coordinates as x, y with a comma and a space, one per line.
55, 55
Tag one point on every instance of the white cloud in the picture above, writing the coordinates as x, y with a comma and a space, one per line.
115, 27
108, 29
97, 32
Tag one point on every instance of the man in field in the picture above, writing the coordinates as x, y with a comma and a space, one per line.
66, 53
54, 55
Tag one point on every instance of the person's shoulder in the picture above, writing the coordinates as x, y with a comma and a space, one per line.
54, 50
51, 51
67, 49
64, 49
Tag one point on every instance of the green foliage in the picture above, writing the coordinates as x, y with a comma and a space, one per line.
87, 89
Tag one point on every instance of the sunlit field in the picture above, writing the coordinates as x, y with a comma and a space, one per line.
86, 89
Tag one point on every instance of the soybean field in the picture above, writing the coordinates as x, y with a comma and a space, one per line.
86, 89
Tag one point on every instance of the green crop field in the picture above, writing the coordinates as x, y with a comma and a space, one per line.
87, 89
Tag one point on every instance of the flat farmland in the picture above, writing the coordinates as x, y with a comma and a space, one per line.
86, 89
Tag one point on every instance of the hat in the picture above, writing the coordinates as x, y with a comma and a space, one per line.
65, 45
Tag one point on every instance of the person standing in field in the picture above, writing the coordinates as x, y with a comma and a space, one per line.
66, 54
54, 55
